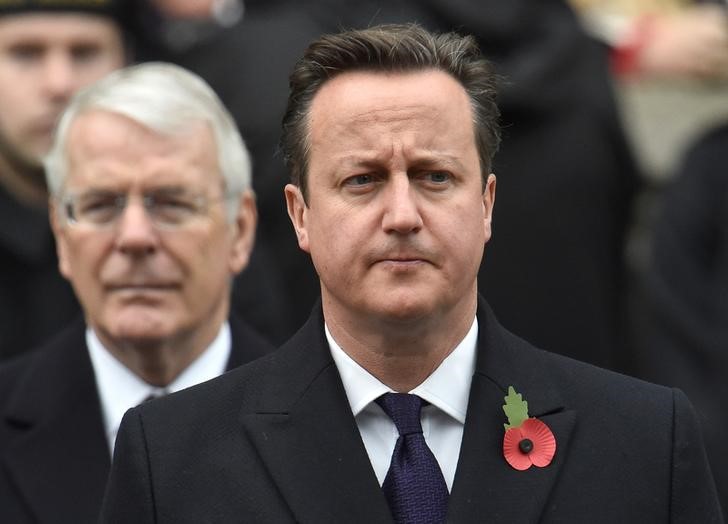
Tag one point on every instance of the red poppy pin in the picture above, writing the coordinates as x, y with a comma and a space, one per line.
528, 441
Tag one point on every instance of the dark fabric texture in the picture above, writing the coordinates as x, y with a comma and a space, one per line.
684, 306
275, 441
35, 300
414, 486
54, 456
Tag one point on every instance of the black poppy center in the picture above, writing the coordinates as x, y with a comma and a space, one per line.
526, 446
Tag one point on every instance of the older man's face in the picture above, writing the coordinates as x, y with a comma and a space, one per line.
148, 272
397, 218
44, 59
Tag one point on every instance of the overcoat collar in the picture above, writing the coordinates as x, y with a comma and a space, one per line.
304, 430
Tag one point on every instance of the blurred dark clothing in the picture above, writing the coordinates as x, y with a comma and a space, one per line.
35, 300
684, 341
54, 452
566, 177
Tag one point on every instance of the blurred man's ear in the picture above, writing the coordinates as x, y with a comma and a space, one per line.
297, 211
246, 220
59, 232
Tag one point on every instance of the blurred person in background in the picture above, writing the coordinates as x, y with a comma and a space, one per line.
670, 63
153, 215
48, 50
684, 333
662, 38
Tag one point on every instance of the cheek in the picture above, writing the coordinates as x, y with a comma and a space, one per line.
334, 243
205, 263
12, 121
85, 263
465, 230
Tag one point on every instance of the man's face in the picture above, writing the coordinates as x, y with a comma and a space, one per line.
397, 218
138, 281
44, 59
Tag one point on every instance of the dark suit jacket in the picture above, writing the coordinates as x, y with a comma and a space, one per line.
275, 441
54, 456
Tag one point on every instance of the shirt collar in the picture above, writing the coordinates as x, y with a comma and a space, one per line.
447, 388
120, 389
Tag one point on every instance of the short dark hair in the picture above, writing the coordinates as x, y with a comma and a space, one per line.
389, 48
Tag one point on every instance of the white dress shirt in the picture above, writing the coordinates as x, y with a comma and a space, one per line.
120, 389
447, 390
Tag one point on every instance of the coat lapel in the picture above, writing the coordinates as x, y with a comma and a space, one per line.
305, 433
59, 458
486, 486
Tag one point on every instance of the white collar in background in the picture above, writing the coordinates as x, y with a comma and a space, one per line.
120, 389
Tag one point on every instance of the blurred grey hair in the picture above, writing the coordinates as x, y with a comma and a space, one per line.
166, 99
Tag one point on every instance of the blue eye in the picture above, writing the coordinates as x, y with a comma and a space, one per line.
438, 177
359, 180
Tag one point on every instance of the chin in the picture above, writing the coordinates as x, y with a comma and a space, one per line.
404, 309
141, 327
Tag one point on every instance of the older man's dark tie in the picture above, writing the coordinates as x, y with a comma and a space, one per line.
414, 486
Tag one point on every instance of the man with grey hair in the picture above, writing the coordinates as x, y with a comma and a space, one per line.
389, 405
153, 214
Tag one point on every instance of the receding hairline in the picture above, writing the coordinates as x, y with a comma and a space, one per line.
366, 118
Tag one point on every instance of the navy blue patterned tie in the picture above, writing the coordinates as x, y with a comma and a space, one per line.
414, 485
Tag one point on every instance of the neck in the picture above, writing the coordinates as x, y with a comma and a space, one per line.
401, 354
159, 361
25, 182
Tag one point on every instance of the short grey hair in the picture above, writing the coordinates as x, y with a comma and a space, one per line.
164, 98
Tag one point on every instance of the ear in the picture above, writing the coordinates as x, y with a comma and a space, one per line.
59, 232
488, 204
297, 212
243, 232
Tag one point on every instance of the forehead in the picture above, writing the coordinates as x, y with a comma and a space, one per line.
108, 147
372, 109
54, 27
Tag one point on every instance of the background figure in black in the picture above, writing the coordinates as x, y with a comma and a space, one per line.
565, 176
685, 339
47, 52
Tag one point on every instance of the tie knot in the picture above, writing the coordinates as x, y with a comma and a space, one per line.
404, 410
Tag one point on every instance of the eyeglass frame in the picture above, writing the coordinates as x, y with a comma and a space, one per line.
200, 203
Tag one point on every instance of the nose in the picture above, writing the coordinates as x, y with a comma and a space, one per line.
401, 214
135, 233
59, 77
